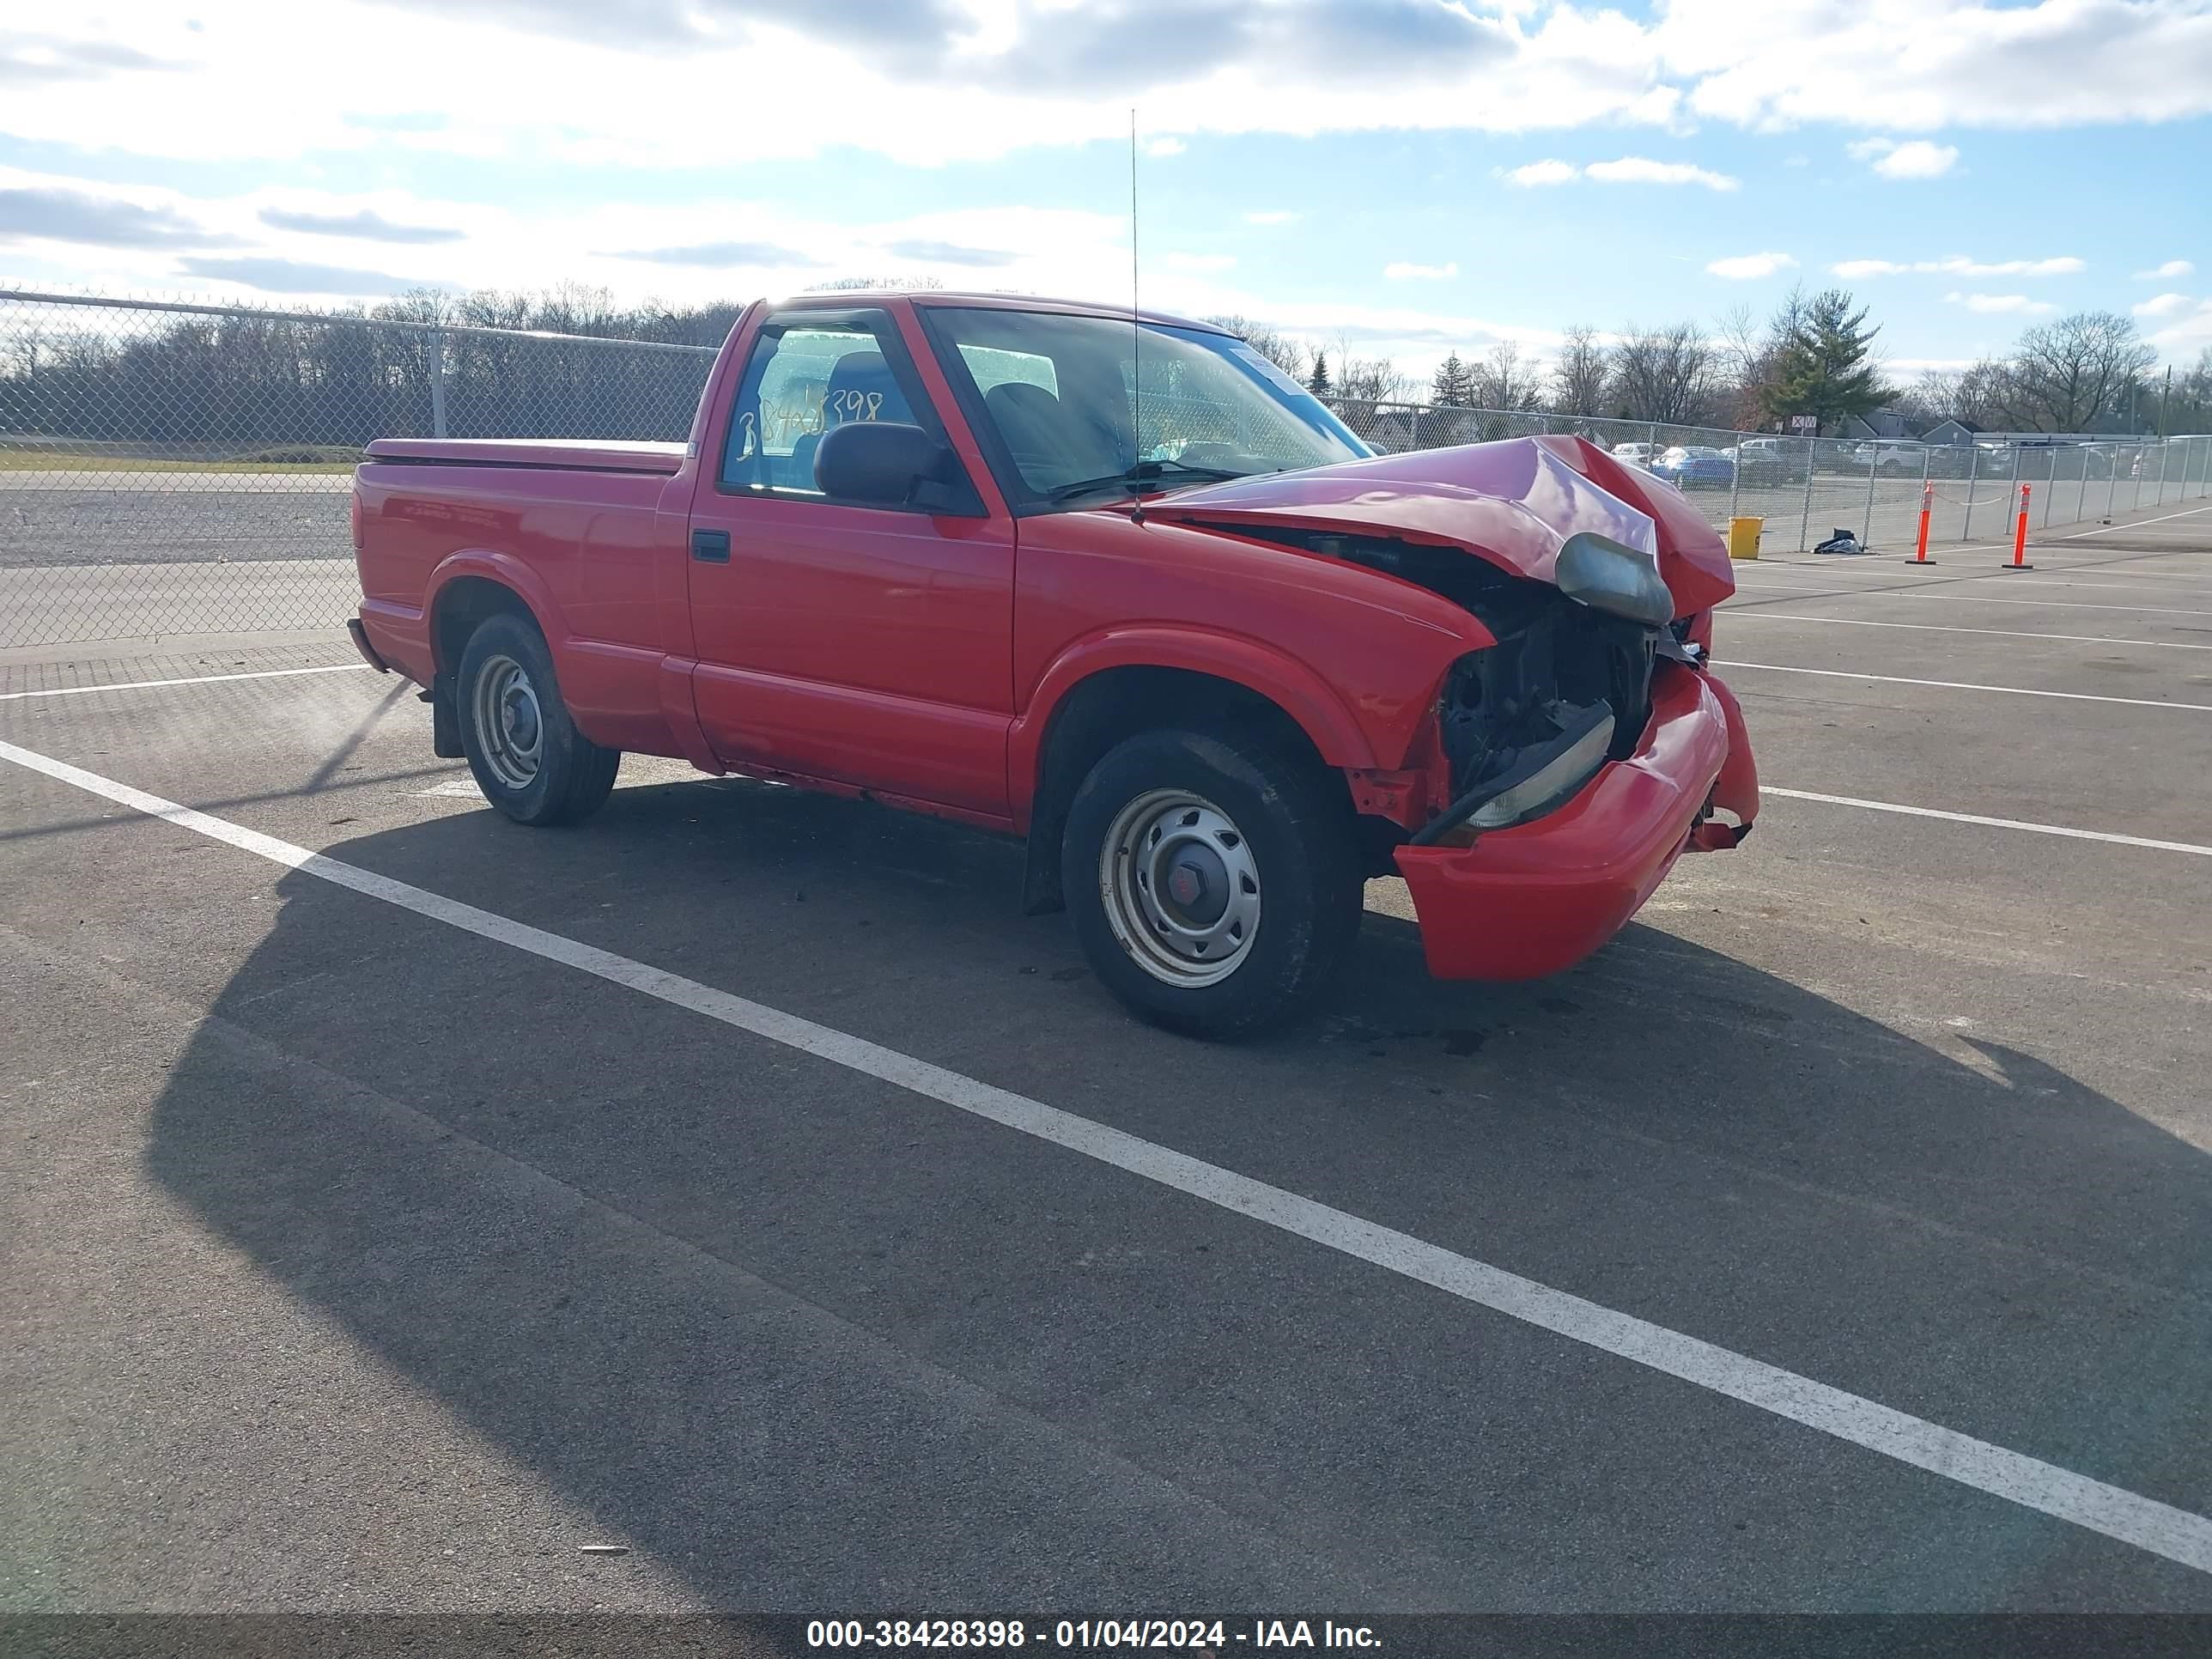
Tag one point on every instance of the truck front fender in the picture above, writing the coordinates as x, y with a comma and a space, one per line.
1284, 681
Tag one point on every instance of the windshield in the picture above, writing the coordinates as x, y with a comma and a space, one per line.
1055, 399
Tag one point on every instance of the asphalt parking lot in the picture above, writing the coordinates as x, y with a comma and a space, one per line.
788, 1210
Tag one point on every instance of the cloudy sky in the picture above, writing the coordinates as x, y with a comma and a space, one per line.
1416, 174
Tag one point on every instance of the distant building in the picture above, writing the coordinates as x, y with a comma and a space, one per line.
1877, 423
1951, 432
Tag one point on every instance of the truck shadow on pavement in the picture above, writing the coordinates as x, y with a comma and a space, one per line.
810, 1341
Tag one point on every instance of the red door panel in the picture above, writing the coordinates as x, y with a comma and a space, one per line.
871, 647
866, 645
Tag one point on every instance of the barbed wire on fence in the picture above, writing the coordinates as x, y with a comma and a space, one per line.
169, 467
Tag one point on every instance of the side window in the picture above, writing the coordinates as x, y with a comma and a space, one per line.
806, 376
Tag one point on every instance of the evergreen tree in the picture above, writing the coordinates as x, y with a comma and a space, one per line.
1453, 383
1822, 368
1318, 382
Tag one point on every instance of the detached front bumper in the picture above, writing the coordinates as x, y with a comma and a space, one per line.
1538, 898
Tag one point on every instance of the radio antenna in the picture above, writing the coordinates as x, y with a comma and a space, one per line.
1136, 332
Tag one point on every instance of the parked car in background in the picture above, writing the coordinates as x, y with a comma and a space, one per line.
1636, 454
2151, 460
1695, 466
1953, 460
1215, 671
1896, 458
1768, 461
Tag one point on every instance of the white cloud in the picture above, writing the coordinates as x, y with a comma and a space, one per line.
1627, 170
1903, 65
1400, 270
2187, 335
1537, 174
2164, 305
927, 83
1641, 170
1164, 148
1272, 216
1918, 159
1922, 365
2171, 267
1745, 267
249, 246
1959, 266
2018, 304
729, 248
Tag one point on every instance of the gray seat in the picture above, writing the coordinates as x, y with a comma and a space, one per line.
860, 387
1049, 444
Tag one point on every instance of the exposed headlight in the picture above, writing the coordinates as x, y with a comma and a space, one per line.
1541, 778
1601, 572
1556, 781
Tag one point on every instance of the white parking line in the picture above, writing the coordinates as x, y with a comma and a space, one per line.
2110, 529
1994, 824
2162, 1530
1780, 590
1726, 665
196, 679
1946, 627
2165, 582
1953, 582
1967, 597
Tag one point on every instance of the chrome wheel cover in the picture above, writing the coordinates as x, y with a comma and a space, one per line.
1180, 888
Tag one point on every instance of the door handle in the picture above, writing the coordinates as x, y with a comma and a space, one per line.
711, 546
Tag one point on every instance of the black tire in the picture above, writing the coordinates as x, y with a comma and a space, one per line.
1297, 825
571, 776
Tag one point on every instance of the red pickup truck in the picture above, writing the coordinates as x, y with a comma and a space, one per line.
1116, 585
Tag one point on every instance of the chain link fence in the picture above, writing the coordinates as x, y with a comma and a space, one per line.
171, 468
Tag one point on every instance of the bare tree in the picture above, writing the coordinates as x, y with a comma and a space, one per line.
1969, 394
2072, 374
1737, 340
1665, 374
838, 284
1581, 375
1935, 396
1371, 379
1748, 357
1287, 351
2186, 405
1504, 380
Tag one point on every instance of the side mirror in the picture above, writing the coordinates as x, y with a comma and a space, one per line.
881, 463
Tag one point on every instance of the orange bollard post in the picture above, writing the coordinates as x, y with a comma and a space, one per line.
1927, 507
2019, 535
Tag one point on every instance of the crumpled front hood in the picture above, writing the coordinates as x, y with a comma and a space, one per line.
1512, 502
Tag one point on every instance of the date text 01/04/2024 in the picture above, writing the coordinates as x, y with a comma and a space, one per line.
1081, 1635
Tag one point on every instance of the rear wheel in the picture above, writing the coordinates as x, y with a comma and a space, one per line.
528, 756
1212, 880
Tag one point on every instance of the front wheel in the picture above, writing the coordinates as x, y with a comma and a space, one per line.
528, 756
1212, 880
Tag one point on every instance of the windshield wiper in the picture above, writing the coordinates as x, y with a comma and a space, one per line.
1144, 472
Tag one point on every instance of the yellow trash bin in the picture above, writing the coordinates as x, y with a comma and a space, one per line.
1743, 537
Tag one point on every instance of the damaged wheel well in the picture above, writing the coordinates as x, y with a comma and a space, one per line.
1117, 703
